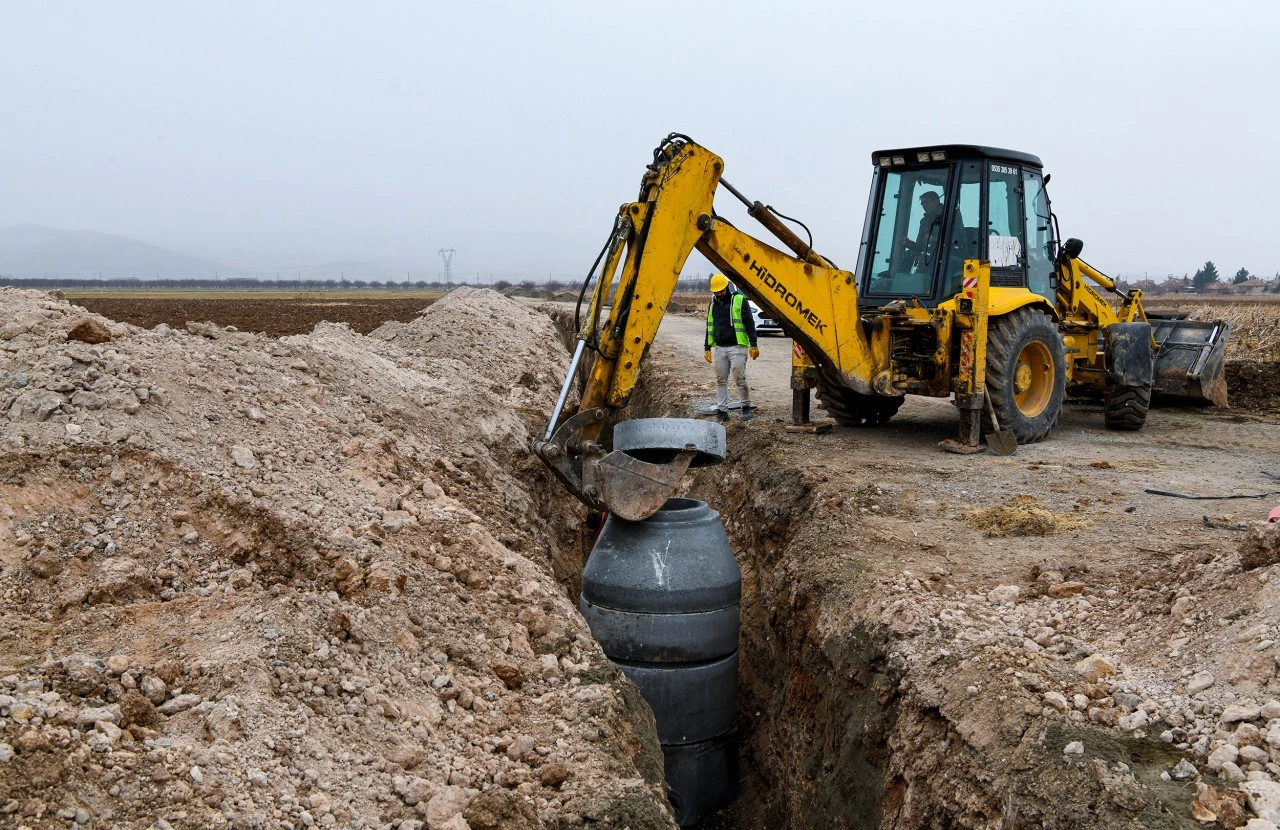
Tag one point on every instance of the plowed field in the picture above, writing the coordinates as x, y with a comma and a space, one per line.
277, 317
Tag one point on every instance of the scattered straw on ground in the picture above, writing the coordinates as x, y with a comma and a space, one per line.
1023, 516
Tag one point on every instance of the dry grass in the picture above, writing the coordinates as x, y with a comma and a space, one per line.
1255, 323
1023, 516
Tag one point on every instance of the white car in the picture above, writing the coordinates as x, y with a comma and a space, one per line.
764, 323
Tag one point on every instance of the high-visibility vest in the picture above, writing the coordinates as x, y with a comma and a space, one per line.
735, 314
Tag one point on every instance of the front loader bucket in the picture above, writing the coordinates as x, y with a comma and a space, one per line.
1191, 360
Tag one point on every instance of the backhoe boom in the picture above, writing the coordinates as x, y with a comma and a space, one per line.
815, 302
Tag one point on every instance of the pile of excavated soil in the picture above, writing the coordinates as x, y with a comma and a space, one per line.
300, 582
1254, 384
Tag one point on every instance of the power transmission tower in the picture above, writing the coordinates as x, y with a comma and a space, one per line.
447, 255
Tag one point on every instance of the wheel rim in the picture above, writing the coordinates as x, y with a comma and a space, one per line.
1033, 379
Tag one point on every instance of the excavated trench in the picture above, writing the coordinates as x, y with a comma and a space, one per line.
814, 710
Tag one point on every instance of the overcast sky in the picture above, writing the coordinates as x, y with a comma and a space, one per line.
272, 133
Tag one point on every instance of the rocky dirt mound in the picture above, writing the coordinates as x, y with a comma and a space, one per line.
311, 581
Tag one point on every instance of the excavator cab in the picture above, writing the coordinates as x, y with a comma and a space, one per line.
932, 208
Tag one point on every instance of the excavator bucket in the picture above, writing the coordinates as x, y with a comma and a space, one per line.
1191, 360
650, 457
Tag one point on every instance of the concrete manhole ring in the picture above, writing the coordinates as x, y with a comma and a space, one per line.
659, 440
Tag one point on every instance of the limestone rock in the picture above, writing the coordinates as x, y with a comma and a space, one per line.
181, 703
1223, 754
1057, 700
1264, 799
1235, 713
243, 457
1199, 682
1004, 594
34, 405
1095, 667
445, 804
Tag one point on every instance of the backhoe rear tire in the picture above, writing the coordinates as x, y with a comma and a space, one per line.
1026, 373
854, 409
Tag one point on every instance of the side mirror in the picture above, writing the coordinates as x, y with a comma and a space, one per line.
1072, 247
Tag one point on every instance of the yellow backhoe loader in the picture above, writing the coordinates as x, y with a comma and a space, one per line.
964, 290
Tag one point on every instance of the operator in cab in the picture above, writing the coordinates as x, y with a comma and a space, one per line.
930, 229
731, 338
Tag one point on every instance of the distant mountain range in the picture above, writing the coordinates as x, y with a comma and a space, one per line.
36, 251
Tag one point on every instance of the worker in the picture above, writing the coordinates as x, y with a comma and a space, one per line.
731, 337
930, 225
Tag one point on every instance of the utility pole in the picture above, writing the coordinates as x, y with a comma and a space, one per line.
447, 255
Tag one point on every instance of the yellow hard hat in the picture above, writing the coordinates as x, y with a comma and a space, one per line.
719, 282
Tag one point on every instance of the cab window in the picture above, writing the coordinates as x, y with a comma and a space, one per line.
908, 242
964, 227
1039, 235
1004, 224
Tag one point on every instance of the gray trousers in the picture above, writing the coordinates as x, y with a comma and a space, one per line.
731, 360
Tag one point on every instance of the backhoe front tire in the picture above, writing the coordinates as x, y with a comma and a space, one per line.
1026, 373
1127, 407
854, 409
1130, 363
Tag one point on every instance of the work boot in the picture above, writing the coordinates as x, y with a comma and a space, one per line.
747, 412
722, 414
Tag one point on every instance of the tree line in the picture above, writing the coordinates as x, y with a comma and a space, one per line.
554, 286
1208, 275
